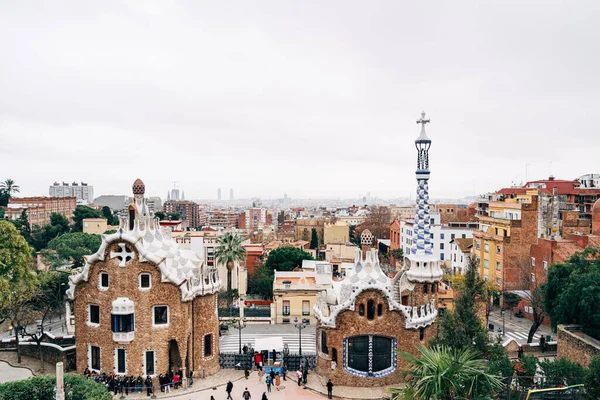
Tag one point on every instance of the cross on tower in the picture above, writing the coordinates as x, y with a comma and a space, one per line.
423, 121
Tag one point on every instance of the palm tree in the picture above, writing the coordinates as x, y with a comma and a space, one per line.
9, 187
441, 373
229, 250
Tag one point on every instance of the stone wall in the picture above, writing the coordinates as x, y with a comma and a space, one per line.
124, 282
576, 346
390, 324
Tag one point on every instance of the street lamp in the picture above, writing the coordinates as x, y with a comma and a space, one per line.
502, 313
299, 325
240, 324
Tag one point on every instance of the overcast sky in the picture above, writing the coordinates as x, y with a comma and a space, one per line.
308, 98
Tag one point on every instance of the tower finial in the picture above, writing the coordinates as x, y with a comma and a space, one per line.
423, 121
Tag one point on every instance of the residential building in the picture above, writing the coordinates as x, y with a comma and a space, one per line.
364, 319
460, 252
83, 192
402, 212
504, 239
255, 256
254, 218
455, 212
144, 306
303, 229
338, 232
441, 235
294, 292
188, 211
223, 218
155, 204
95, 226
40, 209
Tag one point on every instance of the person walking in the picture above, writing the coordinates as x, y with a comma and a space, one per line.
305, 375
228, 389
246, 395
277, 381
264, 396
246, 373
284, 372
299, 376
329, 389
260, 374
269, 381
272, 374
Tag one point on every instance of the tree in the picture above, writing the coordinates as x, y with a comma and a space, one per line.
397, 254
572, 294
592, 378
511, 300
378, 221
281, 259
9, 188
173, 216
111, 219
46, 298
229, 251
353, 235
81, 213
59, 224
533, 293
442, 373
22, 224
562, 372
1, 212
70, 248
17, 280
160, 215
314, 239
462, 328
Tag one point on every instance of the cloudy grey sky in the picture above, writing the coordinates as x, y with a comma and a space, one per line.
309, 98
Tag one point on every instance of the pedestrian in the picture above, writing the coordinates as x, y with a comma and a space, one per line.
212, 397
246, 395
299, 376
191, 378
245, 349
269, 382
228, 389
542, 343
274, 356
272, 374
176, 381
260, 374
149, 388
277, 381
284, 372
305, 375
246, 373
264, 396
329, 389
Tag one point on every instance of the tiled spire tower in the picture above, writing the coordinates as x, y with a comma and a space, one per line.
422, 264
421, 235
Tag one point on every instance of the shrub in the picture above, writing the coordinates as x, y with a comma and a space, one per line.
77, 387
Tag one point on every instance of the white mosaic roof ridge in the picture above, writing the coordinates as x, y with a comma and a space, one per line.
153, 243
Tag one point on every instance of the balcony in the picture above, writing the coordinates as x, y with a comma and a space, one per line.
123, 337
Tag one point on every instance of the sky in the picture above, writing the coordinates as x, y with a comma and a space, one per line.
308, 98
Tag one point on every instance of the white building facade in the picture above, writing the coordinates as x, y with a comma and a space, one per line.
83, 192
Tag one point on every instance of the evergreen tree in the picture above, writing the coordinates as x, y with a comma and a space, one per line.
111, 219
314, 239
462, 327
81, 213
24, 228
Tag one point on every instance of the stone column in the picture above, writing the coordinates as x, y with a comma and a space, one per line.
184, 378
60, 389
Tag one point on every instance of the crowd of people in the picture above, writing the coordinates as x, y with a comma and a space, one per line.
124, 385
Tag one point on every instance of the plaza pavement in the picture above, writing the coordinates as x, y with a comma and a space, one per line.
9, 373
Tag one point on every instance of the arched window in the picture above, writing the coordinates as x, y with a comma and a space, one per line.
433, 287
131, 217
425, 287
361, 310
333, 354
324, 349
421, 333
379, 309
370, 309
360, 363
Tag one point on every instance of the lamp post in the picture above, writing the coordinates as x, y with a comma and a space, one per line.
299, 325
502, 313
240, 324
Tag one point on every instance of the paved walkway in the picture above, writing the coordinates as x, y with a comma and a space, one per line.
30, 363
9, 373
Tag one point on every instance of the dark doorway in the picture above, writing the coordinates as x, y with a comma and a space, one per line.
174, 356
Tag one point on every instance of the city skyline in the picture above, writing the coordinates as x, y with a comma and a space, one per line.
268, 103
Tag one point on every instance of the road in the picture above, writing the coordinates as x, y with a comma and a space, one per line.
517, 328
54, 325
